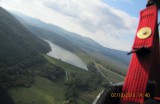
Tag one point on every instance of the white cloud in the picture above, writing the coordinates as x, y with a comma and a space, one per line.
128, 1
91, 18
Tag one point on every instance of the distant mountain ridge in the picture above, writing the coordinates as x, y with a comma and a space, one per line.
16, 42
56, 29
72, 41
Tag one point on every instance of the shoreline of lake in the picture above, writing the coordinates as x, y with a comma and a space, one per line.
65, 55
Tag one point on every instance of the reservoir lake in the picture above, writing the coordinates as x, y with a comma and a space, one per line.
65, 55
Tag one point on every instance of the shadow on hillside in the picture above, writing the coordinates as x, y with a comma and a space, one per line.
4, 97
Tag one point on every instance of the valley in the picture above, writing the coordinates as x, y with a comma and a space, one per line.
43, 64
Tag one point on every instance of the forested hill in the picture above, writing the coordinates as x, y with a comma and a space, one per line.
31, 77
16, 42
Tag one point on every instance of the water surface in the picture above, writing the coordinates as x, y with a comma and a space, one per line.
65, 55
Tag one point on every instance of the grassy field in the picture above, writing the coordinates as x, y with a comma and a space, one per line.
112, 76
84, 97
68, 67
45, 91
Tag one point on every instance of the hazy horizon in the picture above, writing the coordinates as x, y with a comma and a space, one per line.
106, 22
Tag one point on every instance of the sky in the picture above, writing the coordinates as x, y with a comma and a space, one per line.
112, 23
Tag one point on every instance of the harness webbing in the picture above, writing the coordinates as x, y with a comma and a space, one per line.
142, 63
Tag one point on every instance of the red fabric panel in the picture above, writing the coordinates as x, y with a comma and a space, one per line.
137, 77
141, 64
148, 18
